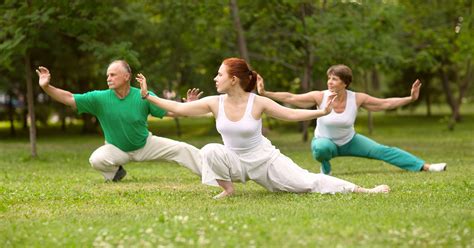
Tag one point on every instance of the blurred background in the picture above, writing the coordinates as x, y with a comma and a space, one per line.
179, 44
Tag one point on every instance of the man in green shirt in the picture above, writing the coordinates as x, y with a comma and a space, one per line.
123, 114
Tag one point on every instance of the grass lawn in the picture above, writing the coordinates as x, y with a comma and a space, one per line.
58, 200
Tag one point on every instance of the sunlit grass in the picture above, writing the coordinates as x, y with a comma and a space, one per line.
58, 200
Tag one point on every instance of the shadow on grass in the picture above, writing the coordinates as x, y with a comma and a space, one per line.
156, 180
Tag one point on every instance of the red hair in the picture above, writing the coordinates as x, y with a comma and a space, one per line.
240, 69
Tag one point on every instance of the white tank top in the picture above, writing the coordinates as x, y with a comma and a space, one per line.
239, 135
339, 127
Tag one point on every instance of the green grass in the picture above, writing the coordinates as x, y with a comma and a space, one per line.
58, 200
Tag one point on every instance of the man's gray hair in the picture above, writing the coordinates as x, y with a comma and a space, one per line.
125, 66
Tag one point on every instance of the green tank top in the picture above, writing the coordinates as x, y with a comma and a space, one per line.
124, 121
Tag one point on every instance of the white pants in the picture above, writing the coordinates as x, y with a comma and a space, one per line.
108, 158
268, 167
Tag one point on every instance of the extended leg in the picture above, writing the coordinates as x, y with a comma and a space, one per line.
362, 146
171, 150
288, 176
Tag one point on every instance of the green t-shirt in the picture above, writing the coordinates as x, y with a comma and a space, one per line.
124, 121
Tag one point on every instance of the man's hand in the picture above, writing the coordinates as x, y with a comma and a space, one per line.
415, 90
260, 85
192, 95
44, 76
143, 86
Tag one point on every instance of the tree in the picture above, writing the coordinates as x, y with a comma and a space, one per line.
20, 34
441, 39
309, 36
242, 44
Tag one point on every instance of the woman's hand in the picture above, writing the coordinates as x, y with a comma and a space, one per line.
330, 103
143, 86
415, 90
192, 95
260, 85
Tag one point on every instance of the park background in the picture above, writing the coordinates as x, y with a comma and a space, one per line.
49, 195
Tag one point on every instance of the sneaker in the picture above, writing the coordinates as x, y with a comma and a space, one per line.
438, 167
121, 173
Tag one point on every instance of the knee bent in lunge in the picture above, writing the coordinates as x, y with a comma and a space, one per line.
321, 153
214, 156
96, 161
211, 151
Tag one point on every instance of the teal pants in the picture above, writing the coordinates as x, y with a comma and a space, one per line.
324, 149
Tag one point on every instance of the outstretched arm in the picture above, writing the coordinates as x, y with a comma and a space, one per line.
275, 110
378, 104
305, 100
198, 107
62, 96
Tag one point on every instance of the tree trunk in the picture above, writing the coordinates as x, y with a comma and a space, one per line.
25, 114
428, 97
456, 115
11, 113
449, 98
178, 126
455, 104
464, 86
375, 80
62, 108
307, 75
447, 89
240, 31
308, 66
89, 124
62, 117
370, 118
31, 104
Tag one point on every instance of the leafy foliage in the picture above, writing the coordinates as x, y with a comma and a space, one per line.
179, 44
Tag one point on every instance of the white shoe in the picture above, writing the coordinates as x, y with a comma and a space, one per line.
438, 167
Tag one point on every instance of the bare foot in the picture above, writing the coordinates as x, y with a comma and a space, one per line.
228, 189
223, 194
379, 189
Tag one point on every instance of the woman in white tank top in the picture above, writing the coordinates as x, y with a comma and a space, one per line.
246, 154
335, 135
